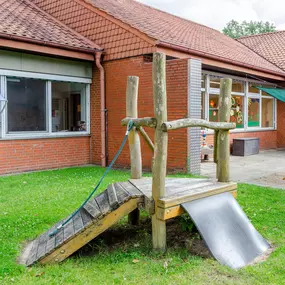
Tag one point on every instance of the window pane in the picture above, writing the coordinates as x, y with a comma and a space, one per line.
213, 108
215, 83
27, 105
252, 89
238, 87
203, 81
237, 111
253, 112
68, 107
267, 113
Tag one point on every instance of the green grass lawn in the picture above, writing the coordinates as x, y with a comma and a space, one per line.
31, 203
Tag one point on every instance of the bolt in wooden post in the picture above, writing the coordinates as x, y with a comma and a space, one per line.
223, 140
134, 139
160, 147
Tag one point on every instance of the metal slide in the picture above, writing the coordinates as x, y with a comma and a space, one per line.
226, 230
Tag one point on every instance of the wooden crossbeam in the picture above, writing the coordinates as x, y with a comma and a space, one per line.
140, 122
188, 123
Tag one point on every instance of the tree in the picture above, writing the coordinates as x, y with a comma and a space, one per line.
236, 30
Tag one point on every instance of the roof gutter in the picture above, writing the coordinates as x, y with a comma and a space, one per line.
103, 108
49, 44
222, 59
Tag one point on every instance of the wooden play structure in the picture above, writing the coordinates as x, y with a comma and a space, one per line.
161, 197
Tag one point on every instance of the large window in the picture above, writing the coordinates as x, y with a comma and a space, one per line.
251, 108
43, 107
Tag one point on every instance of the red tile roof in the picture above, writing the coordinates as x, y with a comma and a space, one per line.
24, 21
271, 46
182, 33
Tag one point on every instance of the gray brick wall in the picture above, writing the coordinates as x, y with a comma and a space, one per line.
194, 111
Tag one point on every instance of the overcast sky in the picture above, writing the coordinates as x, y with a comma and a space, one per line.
216, 13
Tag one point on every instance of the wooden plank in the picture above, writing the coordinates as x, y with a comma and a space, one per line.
68, 230
86, 217
122, 194
168, 213
174, 211
131, 189
59, 237
103, 203
203, 192
160, 147
78, 222
42, 245
93, 209
112, 196
180, 189
33, 253
93, 230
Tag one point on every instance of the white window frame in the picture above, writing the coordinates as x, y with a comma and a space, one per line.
246, 96
49, 78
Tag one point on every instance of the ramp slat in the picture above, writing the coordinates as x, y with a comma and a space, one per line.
42, 245
103, 203
68, 230
122, 194
33, 253
78, 222
59, 237
93, 209
86, 217
112, 196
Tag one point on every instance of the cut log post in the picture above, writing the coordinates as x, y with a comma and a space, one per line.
216, 146
223, 140
134, 139
160, 147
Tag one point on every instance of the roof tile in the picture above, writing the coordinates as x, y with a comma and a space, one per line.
271, 46
26, 21
180, 32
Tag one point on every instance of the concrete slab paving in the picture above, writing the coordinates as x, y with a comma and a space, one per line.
266, 169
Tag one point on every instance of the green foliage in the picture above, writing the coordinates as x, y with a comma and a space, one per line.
236, 30
31, 203
186, 223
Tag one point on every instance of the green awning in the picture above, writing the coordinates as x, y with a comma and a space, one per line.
275, 92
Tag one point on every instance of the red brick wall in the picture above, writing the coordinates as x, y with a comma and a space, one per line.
97, 26
116, 81
268, 139
280, 124
37, 154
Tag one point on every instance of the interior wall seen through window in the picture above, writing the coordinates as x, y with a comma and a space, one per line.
68, 107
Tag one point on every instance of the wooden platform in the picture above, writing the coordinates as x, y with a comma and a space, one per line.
110, 206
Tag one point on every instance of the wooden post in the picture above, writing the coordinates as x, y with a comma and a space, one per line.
223, 140
160, 147
134, 138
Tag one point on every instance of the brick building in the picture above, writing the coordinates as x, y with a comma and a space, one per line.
64, 67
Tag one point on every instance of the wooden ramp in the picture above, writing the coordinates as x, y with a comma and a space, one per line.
110, 206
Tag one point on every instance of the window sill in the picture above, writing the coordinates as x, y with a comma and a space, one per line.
44, 136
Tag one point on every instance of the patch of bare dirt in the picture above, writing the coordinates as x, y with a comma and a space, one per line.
126, 236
